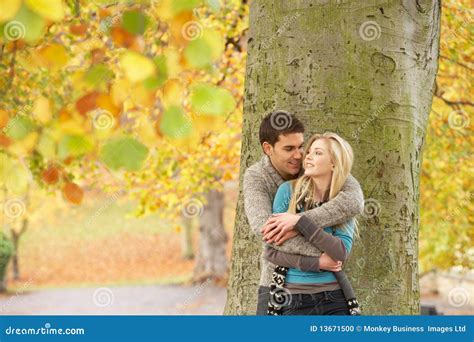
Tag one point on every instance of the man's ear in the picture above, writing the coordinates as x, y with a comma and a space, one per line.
267, 148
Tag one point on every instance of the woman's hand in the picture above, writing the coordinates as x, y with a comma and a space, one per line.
278, 226
329, 264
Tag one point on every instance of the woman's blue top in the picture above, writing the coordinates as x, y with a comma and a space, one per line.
294, 275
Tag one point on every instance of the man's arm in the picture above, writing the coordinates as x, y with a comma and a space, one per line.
348, 203
258, 208
302, 262
257, 201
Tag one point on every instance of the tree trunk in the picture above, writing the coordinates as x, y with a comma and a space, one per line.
16, 235
187, 239
15, 264
365, 71
211, 262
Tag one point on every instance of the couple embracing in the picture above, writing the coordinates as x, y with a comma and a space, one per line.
301, 201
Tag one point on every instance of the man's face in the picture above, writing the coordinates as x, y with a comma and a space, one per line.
287, 154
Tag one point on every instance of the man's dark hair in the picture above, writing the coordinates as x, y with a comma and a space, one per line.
276, 123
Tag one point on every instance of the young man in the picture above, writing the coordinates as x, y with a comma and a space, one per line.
281, 137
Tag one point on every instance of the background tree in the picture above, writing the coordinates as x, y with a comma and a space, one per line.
446, 234
367, 73
93, 91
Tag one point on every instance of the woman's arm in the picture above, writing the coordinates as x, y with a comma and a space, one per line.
337, 246
304, 263
298, 244
348, 203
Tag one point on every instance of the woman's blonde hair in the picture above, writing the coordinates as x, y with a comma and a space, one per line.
304, 188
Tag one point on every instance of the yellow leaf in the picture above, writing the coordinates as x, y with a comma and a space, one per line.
206, 123
6, 165
105, 101
141, 96
53, 56
163, 9
24, 146
120, 91
9, 9
136, 66
146, 132
215, 41
42, 110
172, 93
17, 179
50, 9
173, 67
71, 126
47, 145
4, 118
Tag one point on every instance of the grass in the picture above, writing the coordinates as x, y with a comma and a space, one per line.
97, 244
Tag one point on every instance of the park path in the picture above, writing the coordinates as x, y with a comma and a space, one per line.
204, 299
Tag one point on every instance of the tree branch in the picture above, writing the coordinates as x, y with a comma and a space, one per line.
456, 62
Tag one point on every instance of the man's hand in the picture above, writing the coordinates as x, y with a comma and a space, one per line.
282, 237
329, 264
278, 225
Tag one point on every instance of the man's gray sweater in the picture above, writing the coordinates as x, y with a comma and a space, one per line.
261, 182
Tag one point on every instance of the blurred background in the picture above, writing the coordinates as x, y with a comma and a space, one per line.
120, 149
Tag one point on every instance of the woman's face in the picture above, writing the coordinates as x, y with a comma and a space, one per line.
317, 162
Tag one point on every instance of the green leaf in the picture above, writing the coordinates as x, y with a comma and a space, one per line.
98, 74
19, 127
175, 124
46, 146
74, 145
157, 81
211, 100
14, 175
214, 4
178, 6
6, 165
25, 25
124, 152
136, 66
134, 22
198, 53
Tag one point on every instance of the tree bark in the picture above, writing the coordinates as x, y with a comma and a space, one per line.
365, 71
211, 262
187, 239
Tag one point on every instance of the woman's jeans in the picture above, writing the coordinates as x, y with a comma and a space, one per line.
323, 303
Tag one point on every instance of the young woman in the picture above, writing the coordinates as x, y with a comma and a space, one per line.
327, 164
